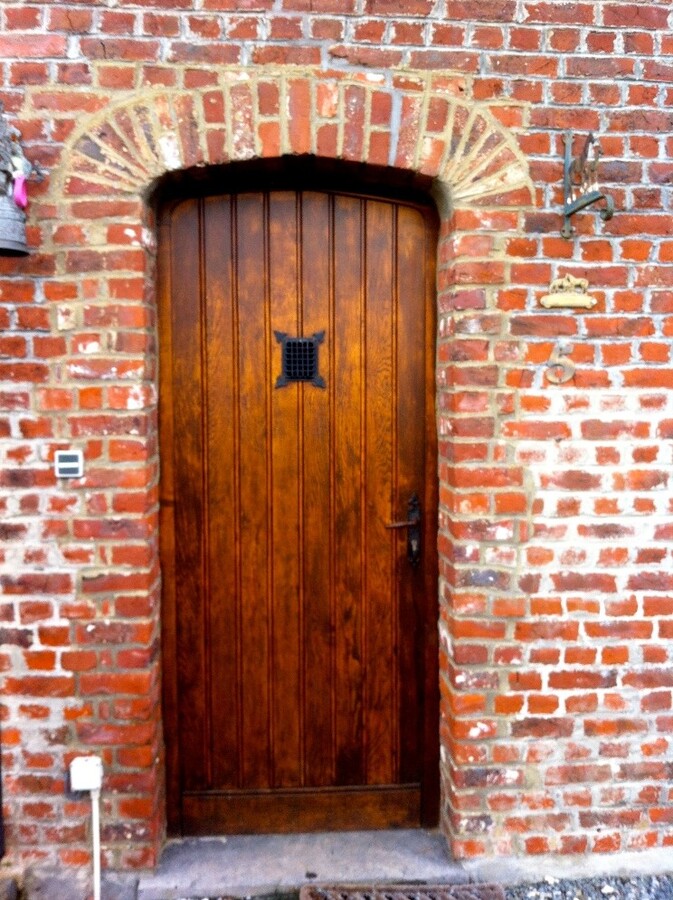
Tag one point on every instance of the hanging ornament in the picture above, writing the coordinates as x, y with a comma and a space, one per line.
15, 172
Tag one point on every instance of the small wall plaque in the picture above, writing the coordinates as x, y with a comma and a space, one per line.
568, 293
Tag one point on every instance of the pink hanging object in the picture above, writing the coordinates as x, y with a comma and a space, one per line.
20, 191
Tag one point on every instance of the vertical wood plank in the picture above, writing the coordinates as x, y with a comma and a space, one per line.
411, 437
348, 488
318, 506
286, 537
189, 506
427, 600
380, 544
167, 533
254, 476
220, 403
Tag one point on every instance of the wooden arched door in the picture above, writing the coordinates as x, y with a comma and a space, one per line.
297, 333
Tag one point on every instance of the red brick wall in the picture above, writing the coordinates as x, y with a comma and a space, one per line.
556, 528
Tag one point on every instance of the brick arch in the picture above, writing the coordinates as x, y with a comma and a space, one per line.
417, 122
420, 126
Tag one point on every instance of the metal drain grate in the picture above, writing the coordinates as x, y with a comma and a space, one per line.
402, 892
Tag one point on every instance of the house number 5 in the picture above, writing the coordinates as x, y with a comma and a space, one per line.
560, 368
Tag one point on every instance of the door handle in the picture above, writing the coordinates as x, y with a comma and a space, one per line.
413, 526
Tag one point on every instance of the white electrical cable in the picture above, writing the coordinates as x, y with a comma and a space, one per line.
86, 774
95, 835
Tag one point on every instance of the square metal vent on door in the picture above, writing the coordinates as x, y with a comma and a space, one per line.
299, 359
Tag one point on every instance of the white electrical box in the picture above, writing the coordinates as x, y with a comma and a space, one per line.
86, 773
69, 463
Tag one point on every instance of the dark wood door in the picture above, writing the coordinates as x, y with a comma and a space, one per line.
299, 642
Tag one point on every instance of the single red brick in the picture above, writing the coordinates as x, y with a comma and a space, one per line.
286, 28
40, 686
40, 660
135, 757
581, 679
635, 15
115, 683
23, 73
79, 660
116, 76
542, 704
26, 46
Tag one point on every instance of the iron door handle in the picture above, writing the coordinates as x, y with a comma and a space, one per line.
413, 526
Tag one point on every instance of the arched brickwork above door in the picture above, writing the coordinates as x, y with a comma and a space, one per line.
417, 123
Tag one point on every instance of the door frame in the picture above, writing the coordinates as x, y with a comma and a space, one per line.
328, 176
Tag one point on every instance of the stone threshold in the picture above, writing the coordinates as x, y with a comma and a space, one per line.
263, 865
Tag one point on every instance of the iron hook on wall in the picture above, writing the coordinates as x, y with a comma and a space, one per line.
580, 182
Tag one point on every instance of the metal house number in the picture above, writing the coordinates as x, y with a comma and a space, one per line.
560, 368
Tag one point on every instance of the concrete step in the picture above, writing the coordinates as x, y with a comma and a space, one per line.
261, 865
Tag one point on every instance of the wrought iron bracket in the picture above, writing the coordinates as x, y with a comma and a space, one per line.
579, 174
